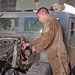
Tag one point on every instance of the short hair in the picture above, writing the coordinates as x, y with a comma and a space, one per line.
44, 9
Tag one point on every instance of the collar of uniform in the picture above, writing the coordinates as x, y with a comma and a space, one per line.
46, 20
46, 24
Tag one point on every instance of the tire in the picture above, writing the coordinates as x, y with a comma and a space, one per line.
12, 72
40, 68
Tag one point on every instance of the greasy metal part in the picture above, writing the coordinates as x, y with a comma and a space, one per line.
14, 60
6, 46
6, 49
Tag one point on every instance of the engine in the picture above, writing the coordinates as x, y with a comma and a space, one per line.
12, 57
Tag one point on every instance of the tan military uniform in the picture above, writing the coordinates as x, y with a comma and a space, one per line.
52, 41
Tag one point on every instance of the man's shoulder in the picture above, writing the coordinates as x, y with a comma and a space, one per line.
52, 17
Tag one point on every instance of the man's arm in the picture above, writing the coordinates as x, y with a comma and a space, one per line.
34, 41
47, 37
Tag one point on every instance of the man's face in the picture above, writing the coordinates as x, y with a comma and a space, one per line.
40, 17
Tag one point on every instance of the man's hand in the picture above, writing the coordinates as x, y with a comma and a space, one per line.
27, 44
33, 49
24, 46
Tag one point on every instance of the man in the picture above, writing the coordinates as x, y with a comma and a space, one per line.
51, 41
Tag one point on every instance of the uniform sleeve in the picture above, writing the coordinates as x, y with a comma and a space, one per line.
34, 41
